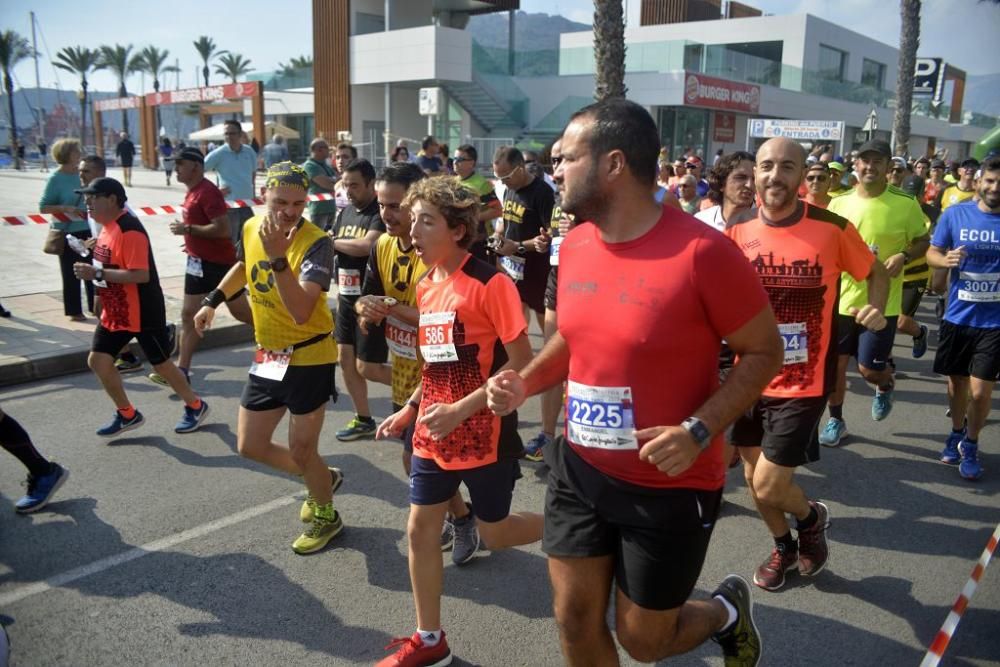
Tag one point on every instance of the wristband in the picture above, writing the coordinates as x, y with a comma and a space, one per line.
214, 299
413, 404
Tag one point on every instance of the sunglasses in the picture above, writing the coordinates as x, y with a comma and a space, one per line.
461, 159
820, 179
232, 134
691, 165
504, 178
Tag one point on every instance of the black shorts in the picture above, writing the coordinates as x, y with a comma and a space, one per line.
658, 537
155, 343
491, 486
551, 287
212, 275
964, 351
532, 290
370, 347
302, 390
785, 429
872, 349
913, 292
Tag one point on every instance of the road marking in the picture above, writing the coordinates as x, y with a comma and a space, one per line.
161, 544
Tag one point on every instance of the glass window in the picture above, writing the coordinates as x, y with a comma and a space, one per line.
832, 63
365, 24
872, 74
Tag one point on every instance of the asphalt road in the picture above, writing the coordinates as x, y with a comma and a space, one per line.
172, 550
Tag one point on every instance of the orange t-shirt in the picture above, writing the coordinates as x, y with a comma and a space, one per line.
124, 244
800, 261
465, 321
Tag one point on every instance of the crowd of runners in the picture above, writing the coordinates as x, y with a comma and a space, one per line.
778, 267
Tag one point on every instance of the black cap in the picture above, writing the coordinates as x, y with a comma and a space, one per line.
938, 164
875, 146
191, 153
970, 162
912, 185
104, 186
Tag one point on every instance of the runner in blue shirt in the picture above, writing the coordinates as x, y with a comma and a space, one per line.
967, 242
236, 164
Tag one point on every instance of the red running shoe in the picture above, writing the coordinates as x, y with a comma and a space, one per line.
412, 652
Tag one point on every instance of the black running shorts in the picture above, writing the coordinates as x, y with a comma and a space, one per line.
658, 537
964, 351
155, 343
370, 347
786, 429
302, 390
210, 278
913, 292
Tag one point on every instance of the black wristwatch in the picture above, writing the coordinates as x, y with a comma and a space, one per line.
521, 250
99, 275
279, 264
906, 257
698, 431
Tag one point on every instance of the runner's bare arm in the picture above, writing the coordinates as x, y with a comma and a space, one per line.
87, 271
507, 390
324, 182
878, 286
357, 247
942, 258
234, 280
299, 297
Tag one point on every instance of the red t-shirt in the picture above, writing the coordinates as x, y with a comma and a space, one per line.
203, 203
799, 261
644, 321
465, 320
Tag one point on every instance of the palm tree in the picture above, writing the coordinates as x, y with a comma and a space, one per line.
153, 63
609, 49
13, 49
233, 65
119, 59
296, 63
80, 60
909, 41
206, 49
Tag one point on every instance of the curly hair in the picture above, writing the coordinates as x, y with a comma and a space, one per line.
718, 175
458, 204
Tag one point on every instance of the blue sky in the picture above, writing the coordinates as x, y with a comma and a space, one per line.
963, 32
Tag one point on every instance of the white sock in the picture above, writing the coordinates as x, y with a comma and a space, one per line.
731, 610
429, 637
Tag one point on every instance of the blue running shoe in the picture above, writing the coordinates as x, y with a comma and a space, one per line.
833, 433
920, 343
950, 454
119, 425
969, 467
533, 450
881, 404
41, 489
192, 418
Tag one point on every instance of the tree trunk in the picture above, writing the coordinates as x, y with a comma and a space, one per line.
159, 121
204, 73
83, 120
909, 41
609, 49
122, 93
9, 86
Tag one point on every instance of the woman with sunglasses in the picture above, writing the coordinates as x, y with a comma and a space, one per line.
818, 185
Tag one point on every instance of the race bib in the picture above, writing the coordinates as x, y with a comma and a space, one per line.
554, 250
979, 287
194, 267
401, 338
349, 282
513, 266
437, 337
600, 417
796, 342
270, 364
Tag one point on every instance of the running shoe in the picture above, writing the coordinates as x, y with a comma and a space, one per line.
119, 425
156, 378
770, 575
950, 453
741, 643
920, 343
466, 539
41, 489
881, 404
192, 419
412, 652
357, 429
448, 533
321, 530
128, 365
309, 505
969, 467
813, 548
533, 450
833, 433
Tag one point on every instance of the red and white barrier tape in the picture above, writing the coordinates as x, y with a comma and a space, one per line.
940, 643
173, 209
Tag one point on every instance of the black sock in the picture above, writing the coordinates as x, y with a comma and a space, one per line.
809, 521
786, 543
837, 411
971, 441
15, 440
367, 420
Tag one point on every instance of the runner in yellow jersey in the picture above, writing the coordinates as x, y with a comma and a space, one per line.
965, 189
286, 264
